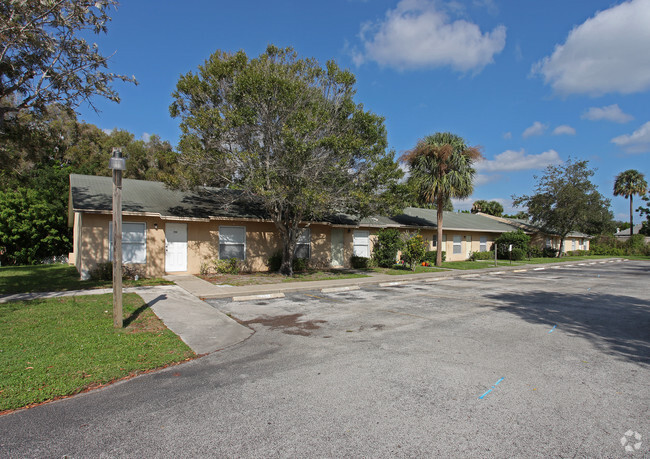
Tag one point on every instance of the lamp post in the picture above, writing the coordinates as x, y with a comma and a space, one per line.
117, 164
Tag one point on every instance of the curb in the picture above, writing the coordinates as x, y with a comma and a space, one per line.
276, 291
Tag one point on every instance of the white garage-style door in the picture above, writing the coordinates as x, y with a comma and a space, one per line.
175, 247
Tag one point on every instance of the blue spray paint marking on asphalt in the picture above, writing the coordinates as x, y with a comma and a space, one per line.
551, 330
490, 390
482, 396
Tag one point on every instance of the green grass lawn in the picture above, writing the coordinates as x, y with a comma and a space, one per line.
61, 346
242, 279
55, 278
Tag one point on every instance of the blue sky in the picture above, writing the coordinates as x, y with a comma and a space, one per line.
532, 82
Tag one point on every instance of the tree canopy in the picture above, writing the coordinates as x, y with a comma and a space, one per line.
628, 184
288, 132
487, 207
37, 154
566, 200
44, 59
441, 168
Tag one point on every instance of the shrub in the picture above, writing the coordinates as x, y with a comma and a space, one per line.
430, 256
227, 266
274, 263
359, 262
104, 271
414, 250
549, 252
517, 254
299, 264
635, 245
518, 239
481, 256
385, 249
577, 253
535, 252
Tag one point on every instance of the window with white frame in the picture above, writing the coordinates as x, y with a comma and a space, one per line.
303, 244
232, 242
458, 244
444, 242
361, 243
483, 244
134, 242
549, 243
573, 244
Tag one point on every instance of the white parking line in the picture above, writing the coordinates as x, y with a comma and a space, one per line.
340, 289
265, 296
539, 269
519, 270
391, 284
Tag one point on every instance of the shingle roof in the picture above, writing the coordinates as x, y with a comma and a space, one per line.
626, 232
90, 193
415, 217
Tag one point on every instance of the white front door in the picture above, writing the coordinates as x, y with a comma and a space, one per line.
337, 247
175, 247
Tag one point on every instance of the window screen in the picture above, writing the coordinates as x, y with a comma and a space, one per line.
361, 241
232, 242
134, 242
303, 244
457, 244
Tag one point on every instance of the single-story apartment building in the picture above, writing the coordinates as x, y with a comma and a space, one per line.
174, 231
573, 241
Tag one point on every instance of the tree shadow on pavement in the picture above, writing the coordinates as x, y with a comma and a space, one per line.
616, 324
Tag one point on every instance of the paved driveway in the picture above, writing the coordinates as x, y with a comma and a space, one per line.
554, 362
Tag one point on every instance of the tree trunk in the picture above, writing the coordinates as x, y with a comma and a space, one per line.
439, 235
631, 218
559, 252
288, 250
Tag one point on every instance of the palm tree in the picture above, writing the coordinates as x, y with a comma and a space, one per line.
441, 168
627, 184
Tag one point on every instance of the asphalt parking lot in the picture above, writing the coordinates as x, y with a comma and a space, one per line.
552, 362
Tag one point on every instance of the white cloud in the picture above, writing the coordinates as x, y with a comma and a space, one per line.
463, 204
483, 179
146, 136
109, 131
511, 160
564, 129
637, 142
416, 34
608, 113
507, 135
607, 53
537, 128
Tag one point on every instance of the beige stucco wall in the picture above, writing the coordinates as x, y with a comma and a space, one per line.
91, 245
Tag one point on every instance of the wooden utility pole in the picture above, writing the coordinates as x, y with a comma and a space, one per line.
117, 164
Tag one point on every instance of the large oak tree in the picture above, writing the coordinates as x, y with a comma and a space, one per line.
566, 200
45, 59
287, 132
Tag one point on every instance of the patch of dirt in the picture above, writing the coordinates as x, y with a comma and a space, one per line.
289, 324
